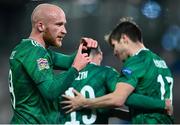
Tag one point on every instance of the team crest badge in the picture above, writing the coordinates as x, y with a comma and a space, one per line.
42, 63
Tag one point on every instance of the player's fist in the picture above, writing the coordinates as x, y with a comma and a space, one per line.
88, 43
81, 59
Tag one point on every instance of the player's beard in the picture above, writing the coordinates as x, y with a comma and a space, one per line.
50, 40
58, 42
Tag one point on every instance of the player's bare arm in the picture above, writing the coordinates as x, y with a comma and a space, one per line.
114, 99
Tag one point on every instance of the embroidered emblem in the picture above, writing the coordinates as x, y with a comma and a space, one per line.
42, 64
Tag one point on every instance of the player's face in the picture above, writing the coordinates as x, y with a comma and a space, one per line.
55, 29
120, 49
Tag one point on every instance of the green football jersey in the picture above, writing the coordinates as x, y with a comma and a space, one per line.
93, 81
150, 76
33, 86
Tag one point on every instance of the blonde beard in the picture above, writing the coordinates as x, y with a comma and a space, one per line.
58, 43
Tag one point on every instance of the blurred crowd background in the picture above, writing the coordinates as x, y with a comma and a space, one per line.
159, 20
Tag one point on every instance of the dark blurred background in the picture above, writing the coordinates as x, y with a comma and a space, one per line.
159, 20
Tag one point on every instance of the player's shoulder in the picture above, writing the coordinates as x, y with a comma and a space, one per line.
109, 68
99, 67
27, 47
139, 59
29, 44
32, 44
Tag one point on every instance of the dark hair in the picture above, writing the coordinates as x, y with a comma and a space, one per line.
128, 27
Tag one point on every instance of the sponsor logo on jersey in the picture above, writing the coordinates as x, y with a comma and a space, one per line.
42, 63
126, 71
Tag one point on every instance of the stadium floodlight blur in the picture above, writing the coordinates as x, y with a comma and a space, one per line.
88, 6
171, 38
78, 8
151, 9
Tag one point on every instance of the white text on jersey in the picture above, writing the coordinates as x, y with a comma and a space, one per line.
82, 75
160, 63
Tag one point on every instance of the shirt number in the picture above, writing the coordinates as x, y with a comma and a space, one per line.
11, 89
162, 82
86, 120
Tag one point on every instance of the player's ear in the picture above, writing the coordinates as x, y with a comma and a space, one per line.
125, 38
40, 27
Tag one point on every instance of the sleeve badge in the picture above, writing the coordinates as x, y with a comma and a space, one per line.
42, 64
126, 71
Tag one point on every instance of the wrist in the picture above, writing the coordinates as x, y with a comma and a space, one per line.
167, 104
85, 103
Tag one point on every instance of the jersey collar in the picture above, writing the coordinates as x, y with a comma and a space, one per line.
140, 51
93, 63
37, 43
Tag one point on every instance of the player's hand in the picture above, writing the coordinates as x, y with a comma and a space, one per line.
81, 59
88, 43
73, 103
169, 107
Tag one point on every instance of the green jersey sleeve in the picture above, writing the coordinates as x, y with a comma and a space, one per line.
54, 88
144, 102
38, 65
61, 61
132, 70
112, 77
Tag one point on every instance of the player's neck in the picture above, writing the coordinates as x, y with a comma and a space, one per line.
137, 48
94, 61
37, 38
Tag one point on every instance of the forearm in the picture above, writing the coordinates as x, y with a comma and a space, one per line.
108, 100
145, 102
54, 88
114, 99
